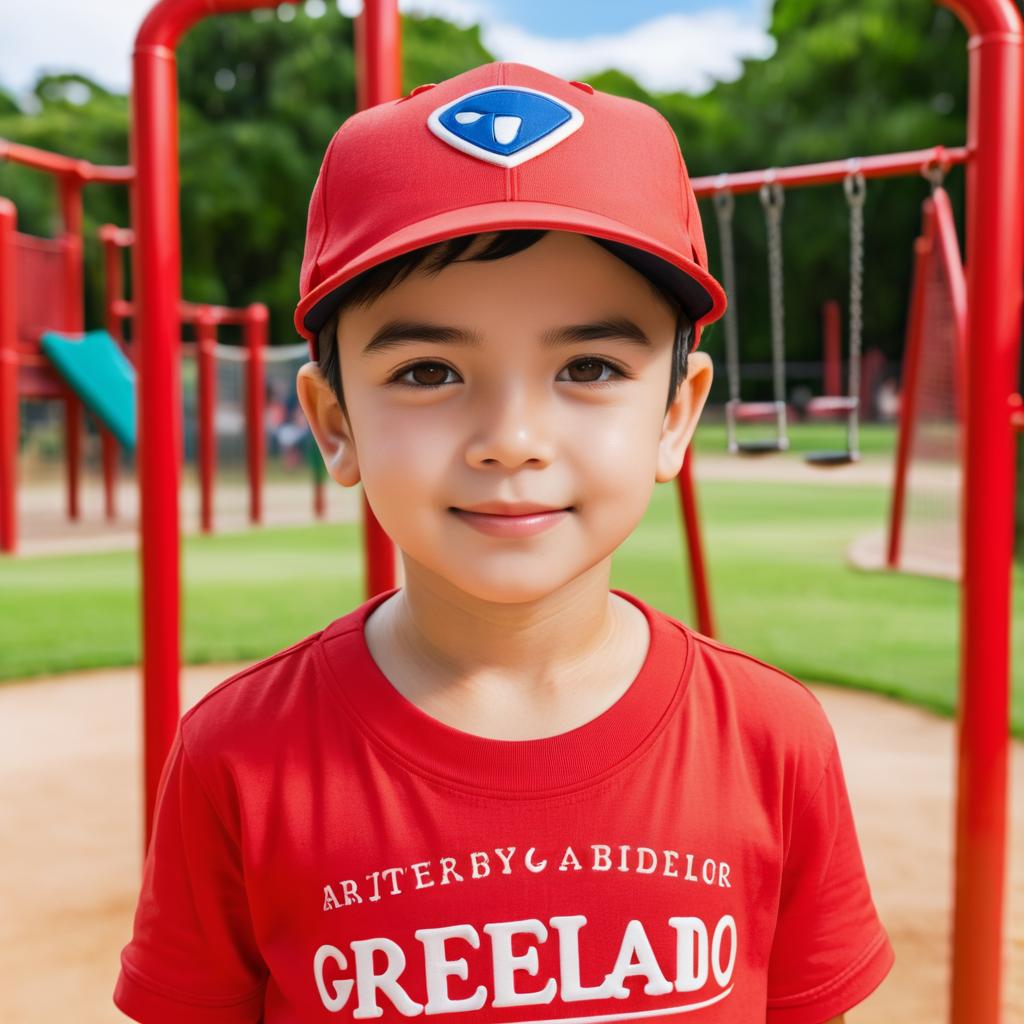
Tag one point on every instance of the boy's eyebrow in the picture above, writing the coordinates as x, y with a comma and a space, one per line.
396, 333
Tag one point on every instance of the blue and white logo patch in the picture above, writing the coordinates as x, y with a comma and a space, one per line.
505, 124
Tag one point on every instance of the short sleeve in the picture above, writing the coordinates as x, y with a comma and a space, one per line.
193, 956
830, 950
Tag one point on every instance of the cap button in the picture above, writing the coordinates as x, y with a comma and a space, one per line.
583, 86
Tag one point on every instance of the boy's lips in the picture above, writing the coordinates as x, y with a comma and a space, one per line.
517, 508
503, 523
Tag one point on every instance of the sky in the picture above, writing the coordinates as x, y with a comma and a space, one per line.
666, 45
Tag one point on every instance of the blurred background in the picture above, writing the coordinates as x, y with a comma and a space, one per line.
796, 553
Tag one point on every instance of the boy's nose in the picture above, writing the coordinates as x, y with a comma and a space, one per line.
513, 427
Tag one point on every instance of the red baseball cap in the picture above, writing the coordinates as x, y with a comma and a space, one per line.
504, 145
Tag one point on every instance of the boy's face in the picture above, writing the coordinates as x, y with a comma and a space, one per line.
512, 418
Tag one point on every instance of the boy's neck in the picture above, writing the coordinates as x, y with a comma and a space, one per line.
509, 672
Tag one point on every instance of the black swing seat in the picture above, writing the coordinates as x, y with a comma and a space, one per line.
838, 458
830, 405
760, 447
749, 411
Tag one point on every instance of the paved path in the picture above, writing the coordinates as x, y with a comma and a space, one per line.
45, 529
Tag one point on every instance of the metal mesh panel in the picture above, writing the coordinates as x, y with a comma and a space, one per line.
40, 267
931, 533
285, 429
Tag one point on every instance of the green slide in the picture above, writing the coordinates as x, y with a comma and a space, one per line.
101, 375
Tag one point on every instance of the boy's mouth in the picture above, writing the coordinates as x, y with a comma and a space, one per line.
511, 525
509, 509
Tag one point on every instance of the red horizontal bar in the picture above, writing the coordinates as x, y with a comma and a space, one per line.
56, 163
121, 237
884, 165
190, 312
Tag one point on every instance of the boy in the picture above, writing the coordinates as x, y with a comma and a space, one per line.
503, 792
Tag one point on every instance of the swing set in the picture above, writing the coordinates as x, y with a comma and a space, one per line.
737, 411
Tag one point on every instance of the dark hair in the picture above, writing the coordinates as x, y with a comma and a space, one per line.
372, 283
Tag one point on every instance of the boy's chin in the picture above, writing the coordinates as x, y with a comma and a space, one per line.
525, 584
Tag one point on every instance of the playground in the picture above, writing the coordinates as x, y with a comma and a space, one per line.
165, 520
72, 738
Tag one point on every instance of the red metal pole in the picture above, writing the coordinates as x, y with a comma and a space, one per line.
157, 283
832, 355
112, 287
947, 247
378, 79
72, 320
319, 502
256, 321
156, 273
110, 455
923, 254
695, 546
9, 418
112, 236
995, 282
206, 372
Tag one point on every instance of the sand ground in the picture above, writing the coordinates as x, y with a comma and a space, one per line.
71, 819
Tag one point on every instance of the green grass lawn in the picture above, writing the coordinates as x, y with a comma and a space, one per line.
875, 438
780, 587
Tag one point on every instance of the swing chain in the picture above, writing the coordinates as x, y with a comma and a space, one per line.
935, 173
772, 199
724, 206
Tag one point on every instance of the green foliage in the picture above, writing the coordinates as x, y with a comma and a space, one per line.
845, 80
78, 117
261, 98
8, 104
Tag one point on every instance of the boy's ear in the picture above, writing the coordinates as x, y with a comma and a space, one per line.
683, 414
330, 426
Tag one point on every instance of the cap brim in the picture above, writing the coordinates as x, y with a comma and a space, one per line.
700, 295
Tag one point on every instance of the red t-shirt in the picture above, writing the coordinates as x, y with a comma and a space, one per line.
325, 850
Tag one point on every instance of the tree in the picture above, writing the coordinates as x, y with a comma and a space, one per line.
261, 98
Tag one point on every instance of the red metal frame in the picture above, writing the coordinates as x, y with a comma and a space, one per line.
255, 326
32, 374
699, 575
908, 389
206, 387
952, 264
995, 262
994, 258
206, 318
8, 380
888, 165
378, 45
937, 241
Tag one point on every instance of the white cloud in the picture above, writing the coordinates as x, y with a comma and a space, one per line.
91, 38
686, 52
676, 52
459, 12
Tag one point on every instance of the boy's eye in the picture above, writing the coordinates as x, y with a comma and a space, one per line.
433, 372
589, 363
432, 375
